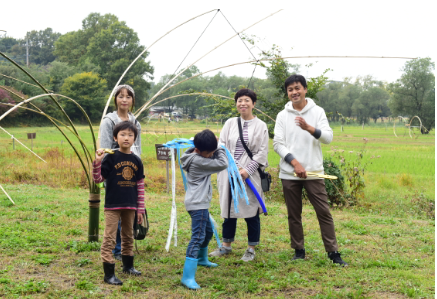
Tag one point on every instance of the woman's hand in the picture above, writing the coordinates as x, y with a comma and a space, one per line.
140, 218
100, 153
244, 173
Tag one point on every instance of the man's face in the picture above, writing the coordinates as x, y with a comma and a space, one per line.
125, 138
296, 93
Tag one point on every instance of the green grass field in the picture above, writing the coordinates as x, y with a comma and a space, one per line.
388, 238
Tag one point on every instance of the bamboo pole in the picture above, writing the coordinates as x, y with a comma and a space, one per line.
20, 81
22, 144
7, 195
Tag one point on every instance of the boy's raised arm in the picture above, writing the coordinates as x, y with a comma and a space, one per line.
217, 163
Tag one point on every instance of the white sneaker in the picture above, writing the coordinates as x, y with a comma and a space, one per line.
249, 255
220, 252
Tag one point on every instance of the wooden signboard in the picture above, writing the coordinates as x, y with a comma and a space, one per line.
163, 153
31, 136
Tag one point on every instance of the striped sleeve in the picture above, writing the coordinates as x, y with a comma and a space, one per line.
97, 172
140, 200
252, 167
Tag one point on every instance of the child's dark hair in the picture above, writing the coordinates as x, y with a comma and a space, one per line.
129, 92
205, 141
295, 78
245, 92
125, 125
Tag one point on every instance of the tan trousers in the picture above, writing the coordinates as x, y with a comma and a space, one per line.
319, 199
127, 238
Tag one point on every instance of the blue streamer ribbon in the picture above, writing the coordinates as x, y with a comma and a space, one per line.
249, 183
238, 190
214, 229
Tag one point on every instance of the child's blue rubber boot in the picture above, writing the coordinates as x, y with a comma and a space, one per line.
189, 275
203, 258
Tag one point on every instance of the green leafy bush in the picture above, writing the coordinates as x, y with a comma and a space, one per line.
334, 188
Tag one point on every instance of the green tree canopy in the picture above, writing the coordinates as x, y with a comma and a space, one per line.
87, 89
110, 45
414, 93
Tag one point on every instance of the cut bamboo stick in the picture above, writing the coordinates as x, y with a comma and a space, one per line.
323, 176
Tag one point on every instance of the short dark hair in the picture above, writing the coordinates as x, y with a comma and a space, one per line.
295, 78
245, 92
205, 141
125, 125
129, 93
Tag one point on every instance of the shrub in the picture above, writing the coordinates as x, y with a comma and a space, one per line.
423, 204
405, 180
334, 188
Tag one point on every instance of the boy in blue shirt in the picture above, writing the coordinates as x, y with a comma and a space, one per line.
199, 163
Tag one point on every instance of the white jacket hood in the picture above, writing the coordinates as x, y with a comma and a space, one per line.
310, 104
292, 139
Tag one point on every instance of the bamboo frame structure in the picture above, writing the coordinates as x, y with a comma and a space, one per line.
181, 72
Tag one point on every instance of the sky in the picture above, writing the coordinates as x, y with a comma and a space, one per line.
303, 28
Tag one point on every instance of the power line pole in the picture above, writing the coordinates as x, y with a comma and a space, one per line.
27, 52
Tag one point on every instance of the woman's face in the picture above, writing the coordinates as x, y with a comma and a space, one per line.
245, 105
124, 100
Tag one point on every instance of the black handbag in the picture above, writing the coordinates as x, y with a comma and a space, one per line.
266, 178
141, 229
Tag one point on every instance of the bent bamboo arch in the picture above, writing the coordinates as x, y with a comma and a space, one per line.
410, 132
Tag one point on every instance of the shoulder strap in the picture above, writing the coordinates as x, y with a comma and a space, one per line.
240, 129
249, 153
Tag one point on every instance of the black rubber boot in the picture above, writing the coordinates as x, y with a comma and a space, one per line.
336, 258
299, 254
128, 265
109, 274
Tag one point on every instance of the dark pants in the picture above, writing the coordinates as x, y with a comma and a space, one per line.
253, 229
319, 199
117, 249
201, 232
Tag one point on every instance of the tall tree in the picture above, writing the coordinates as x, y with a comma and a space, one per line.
87, 89
414, 93
41, 45
109, 44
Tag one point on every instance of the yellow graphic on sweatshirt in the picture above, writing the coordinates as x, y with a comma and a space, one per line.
127, 173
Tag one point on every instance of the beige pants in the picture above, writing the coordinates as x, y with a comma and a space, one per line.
111, 225
319, 199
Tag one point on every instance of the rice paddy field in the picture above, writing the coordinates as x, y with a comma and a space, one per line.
388, 238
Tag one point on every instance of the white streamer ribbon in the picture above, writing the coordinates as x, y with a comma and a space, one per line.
173, 219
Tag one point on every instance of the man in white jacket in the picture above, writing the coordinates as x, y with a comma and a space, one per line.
299, 131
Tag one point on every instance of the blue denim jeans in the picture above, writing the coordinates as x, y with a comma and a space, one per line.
201, 232
117, 249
